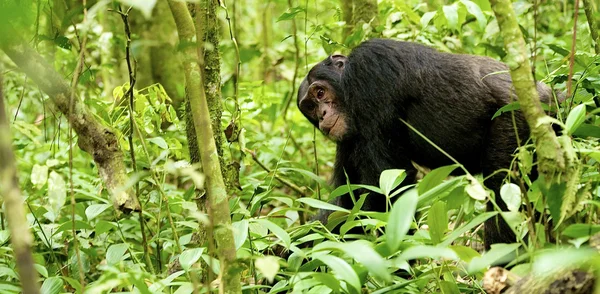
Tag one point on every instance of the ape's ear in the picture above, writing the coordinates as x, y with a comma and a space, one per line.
338, 60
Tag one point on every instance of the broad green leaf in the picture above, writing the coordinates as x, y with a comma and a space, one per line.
343, 271
79, 225
323, 183
277, 230
363, 253
315, 203
465, 254
160, 142
494, 255
189, 257
575, 119
581, 230
476, 11
401, 217
440, 191
115, 253
52, 285
57, 194
326, 279
451, 14
39, 175
475, 189
424, 251
437, 220
435, 177
427, 17
240, 232
457, 232
549, 261
94, 210
390, 179
511, 195
290, 14
268, 266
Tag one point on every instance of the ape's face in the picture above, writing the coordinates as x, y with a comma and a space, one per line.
319, 100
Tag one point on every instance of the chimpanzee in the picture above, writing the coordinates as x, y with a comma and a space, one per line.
358, 100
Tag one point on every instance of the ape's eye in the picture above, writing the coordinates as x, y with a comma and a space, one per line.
320, 94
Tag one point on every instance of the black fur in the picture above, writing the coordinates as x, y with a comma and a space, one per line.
450, 98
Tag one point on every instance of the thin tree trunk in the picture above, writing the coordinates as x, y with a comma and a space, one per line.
20, 236
593, 23
218, 204
94, 138
347, 10
365, 11
553, 158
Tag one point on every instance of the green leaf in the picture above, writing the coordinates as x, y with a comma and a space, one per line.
343, 271
240, 232
587, 130
57, 195
390, 179
115, 253
437, 220
475, 189
435, 177
514, 106
466, 254
427, 17
277, 230
440, 191
290, 14
401, 217
581, 230
451, 14
160, 142
575, 119
39, 175
457, 232
424, 251
315, 203
79, 225
52, 285
511, 195
476, 11
494, 255
94, 210
268, 266
189, 257
363, 252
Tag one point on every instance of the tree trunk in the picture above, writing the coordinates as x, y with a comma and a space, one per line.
20, 236
218, 202
556, 157
593, 23
365, 11
94, 138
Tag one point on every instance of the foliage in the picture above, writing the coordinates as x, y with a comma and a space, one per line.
428, 241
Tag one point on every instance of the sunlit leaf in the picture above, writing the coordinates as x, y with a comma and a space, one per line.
401, 217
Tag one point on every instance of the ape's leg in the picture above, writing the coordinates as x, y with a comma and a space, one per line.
502, 143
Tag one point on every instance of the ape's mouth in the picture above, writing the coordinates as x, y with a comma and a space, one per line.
327, 129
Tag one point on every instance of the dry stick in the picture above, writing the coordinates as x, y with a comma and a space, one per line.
74, 81
296, 67
277, 177
572, 57
21, 237
132, 79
